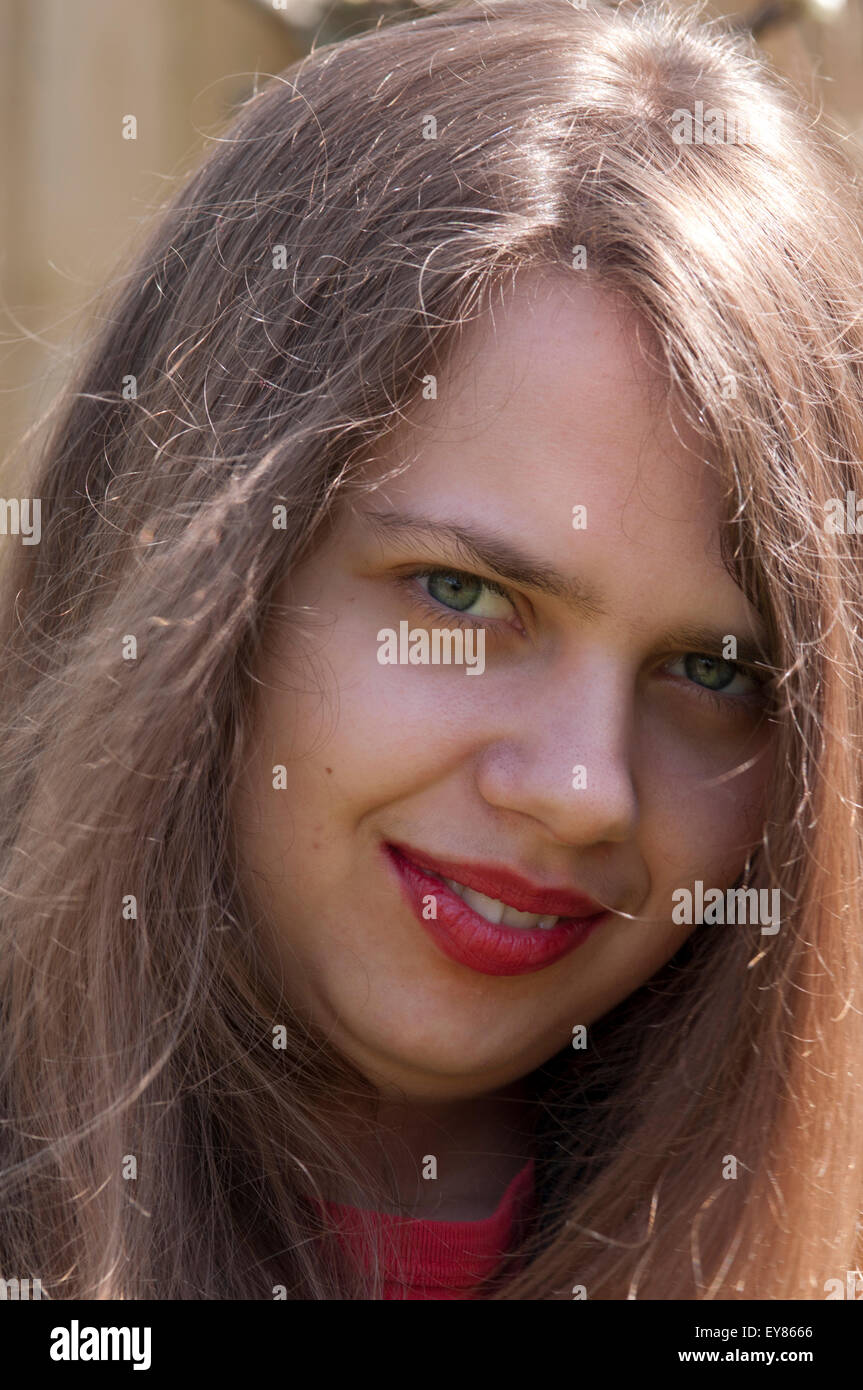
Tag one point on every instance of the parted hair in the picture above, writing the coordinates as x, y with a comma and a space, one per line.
279, 319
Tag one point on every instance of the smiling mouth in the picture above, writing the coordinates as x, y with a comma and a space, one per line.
500, 913
501, 895
500, 923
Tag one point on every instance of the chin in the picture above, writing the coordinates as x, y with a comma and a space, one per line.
439, 1072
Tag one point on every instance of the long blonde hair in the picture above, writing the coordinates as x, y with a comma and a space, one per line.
153, 1142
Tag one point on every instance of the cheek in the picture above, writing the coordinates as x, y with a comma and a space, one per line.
354, 737
385, 731
703, 798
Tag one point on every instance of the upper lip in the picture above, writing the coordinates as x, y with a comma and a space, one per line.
505, 885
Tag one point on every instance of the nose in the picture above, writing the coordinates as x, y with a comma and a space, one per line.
569, 763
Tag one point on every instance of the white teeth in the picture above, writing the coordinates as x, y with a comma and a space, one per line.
513, 918
490, 908
498, 912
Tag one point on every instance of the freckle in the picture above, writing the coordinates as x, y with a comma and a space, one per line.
328, 769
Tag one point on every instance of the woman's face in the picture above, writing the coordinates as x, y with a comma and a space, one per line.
594, 622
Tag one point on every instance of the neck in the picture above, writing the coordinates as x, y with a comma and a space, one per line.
447, 1160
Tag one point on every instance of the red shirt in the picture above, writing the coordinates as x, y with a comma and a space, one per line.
439, 1259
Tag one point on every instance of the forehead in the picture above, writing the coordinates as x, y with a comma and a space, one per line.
557, 398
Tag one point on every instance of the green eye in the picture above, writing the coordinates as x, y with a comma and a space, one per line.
715, 676
459, 591
713, 672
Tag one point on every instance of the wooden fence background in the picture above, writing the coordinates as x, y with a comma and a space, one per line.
75, 192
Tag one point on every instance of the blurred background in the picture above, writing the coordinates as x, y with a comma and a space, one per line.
75, 193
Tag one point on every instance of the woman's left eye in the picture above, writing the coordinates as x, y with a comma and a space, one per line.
715, 674
466, 593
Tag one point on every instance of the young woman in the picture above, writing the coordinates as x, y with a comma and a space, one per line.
432, 713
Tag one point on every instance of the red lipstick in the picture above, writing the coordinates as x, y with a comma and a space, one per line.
469, 938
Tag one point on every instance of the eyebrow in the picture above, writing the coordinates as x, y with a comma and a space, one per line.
491, 551
751, 650
488, 550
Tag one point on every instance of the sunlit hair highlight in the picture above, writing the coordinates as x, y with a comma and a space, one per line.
150, 1036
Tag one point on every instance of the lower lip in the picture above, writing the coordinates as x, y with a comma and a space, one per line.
467, 937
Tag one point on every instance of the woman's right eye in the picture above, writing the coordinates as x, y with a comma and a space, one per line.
461, 593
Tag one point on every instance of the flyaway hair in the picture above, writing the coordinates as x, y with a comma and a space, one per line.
279, 322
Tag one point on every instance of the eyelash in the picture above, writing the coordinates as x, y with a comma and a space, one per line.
727, 705
434, 609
